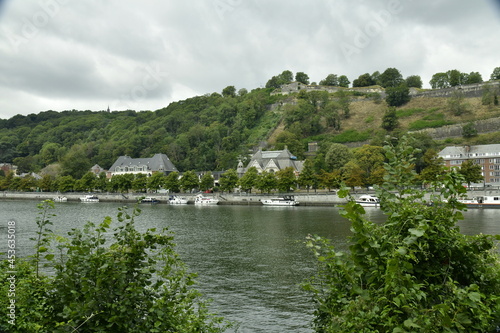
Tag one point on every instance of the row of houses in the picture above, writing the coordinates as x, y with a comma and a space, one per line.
487, 156
269, 161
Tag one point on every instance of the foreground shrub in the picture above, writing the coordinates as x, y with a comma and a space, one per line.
414, 273
105, 280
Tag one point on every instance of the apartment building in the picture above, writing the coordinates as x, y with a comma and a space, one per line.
487, 156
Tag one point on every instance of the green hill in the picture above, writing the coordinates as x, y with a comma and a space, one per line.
212, 132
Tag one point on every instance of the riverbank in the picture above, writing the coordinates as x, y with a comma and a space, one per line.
305, 199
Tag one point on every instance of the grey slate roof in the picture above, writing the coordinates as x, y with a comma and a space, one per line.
454, 152
159, 162
281, 158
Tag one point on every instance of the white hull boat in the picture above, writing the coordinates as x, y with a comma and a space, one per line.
286, 200
368, 201
205, 201
175, 200
89, 198
491, 201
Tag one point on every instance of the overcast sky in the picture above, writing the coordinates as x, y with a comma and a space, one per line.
142, 55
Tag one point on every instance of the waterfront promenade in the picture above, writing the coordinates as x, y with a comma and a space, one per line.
305, 199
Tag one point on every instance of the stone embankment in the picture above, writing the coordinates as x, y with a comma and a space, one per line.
305, 199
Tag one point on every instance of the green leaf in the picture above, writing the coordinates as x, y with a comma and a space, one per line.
474, 296
416, 232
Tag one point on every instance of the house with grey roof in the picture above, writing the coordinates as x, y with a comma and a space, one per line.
487, 156
272, 161
148, 166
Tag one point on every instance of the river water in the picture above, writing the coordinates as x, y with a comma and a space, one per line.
250, 260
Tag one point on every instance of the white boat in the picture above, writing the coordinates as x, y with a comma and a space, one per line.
150, 200
367, 200
60, 199
286, 200
487, 201
89, 198
175, 200
206, 201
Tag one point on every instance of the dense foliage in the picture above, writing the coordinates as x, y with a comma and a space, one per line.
414, 273
103, 279
200, 133
212, 132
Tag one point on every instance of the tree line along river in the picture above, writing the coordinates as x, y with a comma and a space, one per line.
250, 260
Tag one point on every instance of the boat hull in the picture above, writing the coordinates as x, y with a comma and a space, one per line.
287, 200
482, 202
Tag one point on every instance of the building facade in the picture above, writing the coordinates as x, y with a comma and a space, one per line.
487, 156
272, 161
148, 166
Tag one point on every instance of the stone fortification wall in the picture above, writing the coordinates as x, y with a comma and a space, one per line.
469, 90
450, 131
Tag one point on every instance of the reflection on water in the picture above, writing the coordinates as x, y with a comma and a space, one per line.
250, 259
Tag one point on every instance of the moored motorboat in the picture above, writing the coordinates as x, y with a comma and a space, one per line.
150, 200
367, 200
175, 200
486, 201
286, 200
207, 201
60, 198
89, 198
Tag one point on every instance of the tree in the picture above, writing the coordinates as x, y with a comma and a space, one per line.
189, 181
432, 167
140, 182
474, 77
249, 179
456, 104
495, 75
307, 177
391, 77
64, 183
407, 274
455, 77
330, 180
302, 77
344, 103
414, 81
266, 182
471, 172
397, 96
156, 181
330, 80
469, 130
46, 183
368, 159
364, 80
390, 120
277, 81
337, 156
172, 182
75, 163
354, 175
207, 181
286, 180
331, 114
87, 182
439, 81
229, 91
228, 180
344, 81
